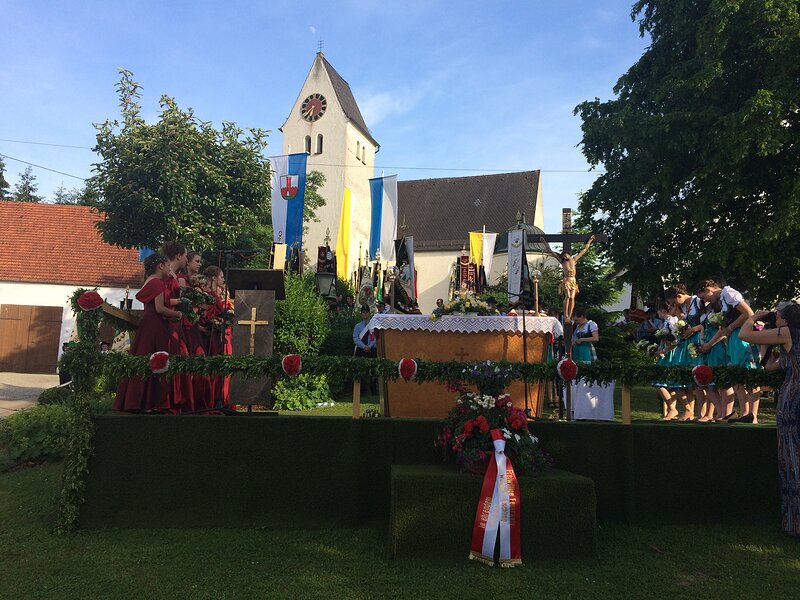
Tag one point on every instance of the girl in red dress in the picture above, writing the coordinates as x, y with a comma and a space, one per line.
195, 336
181, 391
137, 394
220, 342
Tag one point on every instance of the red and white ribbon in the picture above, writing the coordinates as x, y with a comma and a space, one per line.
498, 510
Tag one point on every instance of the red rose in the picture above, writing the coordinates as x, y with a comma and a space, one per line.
468, 427
482, 423
407, 368
567, 369
292, 364
517, 419
90, 301
159, 362
703, 374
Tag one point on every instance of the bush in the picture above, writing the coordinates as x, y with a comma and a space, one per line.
301, 321
56, 395
301, 392
36, 434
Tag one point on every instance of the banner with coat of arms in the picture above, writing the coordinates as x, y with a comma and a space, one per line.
288, 198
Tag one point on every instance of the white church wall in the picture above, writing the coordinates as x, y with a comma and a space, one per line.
45, 294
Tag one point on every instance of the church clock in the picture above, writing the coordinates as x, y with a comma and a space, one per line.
313, 107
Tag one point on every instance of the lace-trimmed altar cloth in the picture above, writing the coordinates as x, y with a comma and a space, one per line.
466, 323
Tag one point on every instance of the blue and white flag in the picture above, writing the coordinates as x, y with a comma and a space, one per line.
288, 197
383, 226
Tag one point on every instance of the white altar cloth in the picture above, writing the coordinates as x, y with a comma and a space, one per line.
467, 323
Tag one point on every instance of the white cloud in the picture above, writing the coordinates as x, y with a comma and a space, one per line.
379, 106
312, 29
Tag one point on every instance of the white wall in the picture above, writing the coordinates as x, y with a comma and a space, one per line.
45, 294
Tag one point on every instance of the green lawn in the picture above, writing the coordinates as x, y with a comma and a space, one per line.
635, 562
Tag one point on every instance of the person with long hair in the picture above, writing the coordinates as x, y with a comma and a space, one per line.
689, 309
740, 353
665, 354
151, 394
182, 392
220, 341
193, 330
785, 338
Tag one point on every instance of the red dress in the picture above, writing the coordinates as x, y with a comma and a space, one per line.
196, 342
220, 344
181, 390
136, 394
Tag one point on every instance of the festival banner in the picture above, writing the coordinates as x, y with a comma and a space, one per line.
481, 249
343, 239
405, 262
516, 256
489, 240
383, 224
288, 197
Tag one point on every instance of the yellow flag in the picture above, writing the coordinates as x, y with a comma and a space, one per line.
476, 247
343, 239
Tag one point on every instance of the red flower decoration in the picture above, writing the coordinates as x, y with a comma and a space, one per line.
468, 427
703, 374
90, 301
482, 424
567, 369
159, 362
292, 364
407, 368
517, 419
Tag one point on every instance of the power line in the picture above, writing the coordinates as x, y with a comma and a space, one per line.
25, 162
46, 144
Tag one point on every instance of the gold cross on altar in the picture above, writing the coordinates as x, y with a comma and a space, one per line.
253, 324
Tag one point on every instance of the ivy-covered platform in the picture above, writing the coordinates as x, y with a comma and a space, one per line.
433, 509
190, 471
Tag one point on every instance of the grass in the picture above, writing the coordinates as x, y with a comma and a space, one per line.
633, 562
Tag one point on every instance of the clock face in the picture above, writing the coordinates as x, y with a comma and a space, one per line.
313, 107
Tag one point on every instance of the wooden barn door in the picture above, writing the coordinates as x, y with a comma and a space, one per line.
29, 337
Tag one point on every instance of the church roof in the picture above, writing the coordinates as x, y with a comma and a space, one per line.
439, 213
59, 243
347, 100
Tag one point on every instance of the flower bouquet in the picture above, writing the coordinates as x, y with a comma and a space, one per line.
662, 332
693, 350
465, 437
468, 303
717, 319
192, 299
681, 327
222, 322
490, 377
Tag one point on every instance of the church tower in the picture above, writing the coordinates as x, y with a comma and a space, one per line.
326, 123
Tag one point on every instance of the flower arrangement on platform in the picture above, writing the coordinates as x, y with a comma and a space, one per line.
466, 304
465, 437
159, 362
567, 369
490, 377
292, 364
90, 300
703, 375
407, 368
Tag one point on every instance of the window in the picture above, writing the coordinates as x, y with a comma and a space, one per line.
319, 143
363, 155
308, 144
358, 149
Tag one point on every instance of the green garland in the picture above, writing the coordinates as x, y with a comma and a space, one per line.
82, 360
348, 368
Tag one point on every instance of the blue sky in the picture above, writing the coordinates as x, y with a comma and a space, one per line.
455, 88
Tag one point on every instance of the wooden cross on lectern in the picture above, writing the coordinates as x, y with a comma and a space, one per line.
253, 323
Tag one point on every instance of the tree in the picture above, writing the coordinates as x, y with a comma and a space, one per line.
701, 148
25, 190
4, 186
313, 200
176, 179
87, 196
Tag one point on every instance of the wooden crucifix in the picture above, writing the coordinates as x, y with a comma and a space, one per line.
569, 283
253, 323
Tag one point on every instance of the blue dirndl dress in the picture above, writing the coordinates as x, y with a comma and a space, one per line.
583, 352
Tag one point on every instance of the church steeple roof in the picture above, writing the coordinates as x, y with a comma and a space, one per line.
346, 99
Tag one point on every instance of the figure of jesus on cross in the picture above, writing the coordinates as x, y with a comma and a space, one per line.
569, 284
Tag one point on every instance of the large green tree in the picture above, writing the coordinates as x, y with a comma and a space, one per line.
85, 196
179, 178
26, 188
701, 148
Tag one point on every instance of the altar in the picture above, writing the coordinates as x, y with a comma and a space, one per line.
465, 338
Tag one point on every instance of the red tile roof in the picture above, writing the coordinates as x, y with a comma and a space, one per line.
59, 243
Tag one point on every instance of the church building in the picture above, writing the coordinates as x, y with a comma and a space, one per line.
326, 123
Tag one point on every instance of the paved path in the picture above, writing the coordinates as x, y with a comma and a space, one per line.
20, 390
